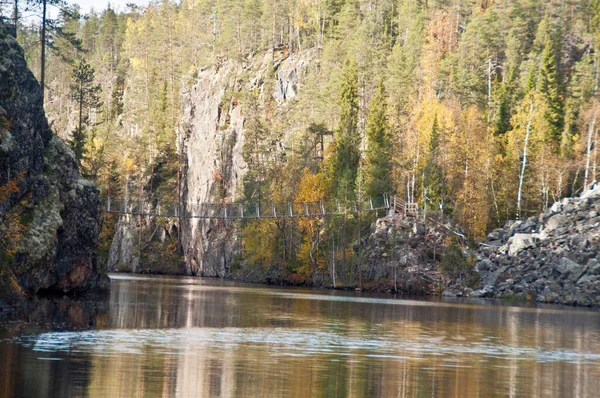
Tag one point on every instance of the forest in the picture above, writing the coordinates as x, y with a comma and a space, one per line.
480, 111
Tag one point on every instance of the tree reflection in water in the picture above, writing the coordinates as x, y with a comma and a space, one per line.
196, 337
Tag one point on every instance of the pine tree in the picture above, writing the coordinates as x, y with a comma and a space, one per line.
85, 92
48, 28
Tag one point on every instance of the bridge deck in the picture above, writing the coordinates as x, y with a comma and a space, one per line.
243, 210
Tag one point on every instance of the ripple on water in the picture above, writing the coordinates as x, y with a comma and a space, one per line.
290, 342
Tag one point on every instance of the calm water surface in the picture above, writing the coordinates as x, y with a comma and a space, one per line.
171, 336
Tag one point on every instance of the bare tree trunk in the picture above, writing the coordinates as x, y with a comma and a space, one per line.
359, 251
43, 57
16, 17
140, 230
80, 109
333, 261
524, 164
595, 155
591, 134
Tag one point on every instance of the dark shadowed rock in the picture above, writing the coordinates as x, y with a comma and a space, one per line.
569, 268
59, 210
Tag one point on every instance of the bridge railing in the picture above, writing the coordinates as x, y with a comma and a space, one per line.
240, 210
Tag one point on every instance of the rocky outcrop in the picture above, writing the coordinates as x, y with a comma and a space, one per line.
552, 258
403, 254
121, 256
158, 253
50, 224
211, 141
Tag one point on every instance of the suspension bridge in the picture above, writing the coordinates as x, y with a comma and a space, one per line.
245, 210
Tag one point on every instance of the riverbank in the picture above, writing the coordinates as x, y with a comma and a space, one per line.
553, 258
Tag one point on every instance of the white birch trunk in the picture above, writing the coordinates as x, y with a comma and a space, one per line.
524, 164
591, 134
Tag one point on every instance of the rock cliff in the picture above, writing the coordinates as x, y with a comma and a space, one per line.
552, 258
211, 141
49, 216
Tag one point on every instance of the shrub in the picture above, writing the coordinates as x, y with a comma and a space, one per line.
454, 264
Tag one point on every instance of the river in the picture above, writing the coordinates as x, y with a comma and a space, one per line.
178, 336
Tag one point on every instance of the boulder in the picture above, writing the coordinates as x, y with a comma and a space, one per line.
518, 242
569, 268
418, 229
557, 221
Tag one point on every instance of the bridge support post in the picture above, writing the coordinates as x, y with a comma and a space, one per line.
258, 210
108, 204
291, 209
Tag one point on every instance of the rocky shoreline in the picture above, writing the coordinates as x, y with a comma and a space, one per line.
553, 258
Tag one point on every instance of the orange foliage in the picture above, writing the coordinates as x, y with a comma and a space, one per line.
5, 123
311, 188
11, 187
11, 228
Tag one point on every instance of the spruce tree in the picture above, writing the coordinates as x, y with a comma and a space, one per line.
347, 137
433, 176
378, 165
551, 87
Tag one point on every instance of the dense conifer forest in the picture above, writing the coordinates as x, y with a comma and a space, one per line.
479, 111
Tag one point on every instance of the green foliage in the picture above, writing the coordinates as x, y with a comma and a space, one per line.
379, 161
346, 154
447, 124
454, 264
433, 173
85, 92
550, 84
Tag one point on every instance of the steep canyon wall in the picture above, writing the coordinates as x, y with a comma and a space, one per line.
211, 139
49, 216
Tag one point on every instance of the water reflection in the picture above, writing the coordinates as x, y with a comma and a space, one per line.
191, 337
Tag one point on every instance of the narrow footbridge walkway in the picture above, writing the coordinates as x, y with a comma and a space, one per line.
244, 210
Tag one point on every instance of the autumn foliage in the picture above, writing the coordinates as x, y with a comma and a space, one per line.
11, 228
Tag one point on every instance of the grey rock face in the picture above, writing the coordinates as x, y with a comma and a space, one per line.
211, 142
60, 210
122, 246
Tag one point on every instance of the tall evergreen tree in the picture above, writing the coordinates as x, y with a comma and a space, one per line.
347, 138
379, 149
85, 92
45, 24
432, 175
550, 85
